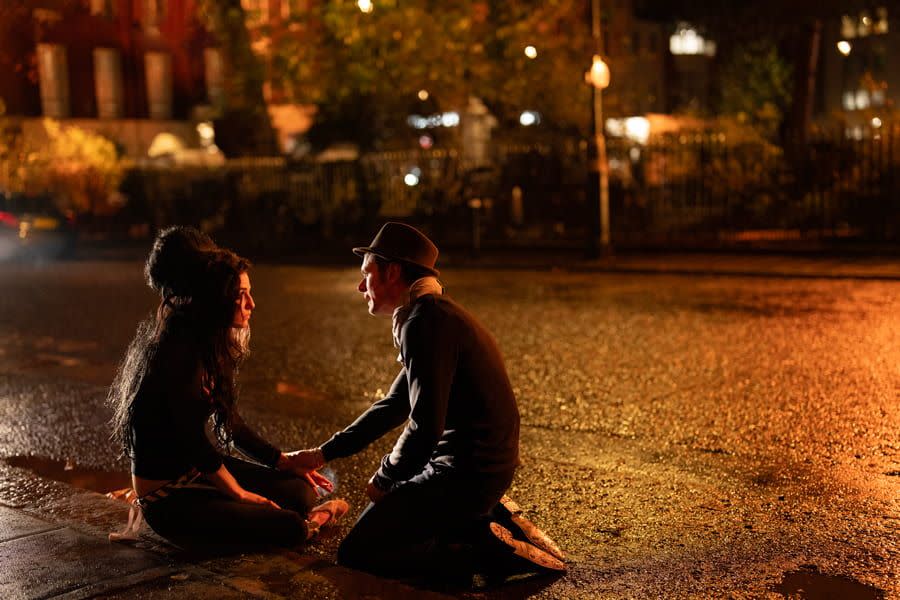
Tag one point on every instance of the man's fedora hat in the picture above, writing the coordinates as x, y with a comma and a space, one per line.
400, 242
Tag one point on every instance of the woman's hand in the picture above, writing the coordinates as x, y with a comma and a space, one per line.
305, 464
251, 498
225, 481
317, 480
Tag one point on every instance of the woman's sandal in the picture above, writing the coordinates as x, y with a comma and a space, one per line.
335, 509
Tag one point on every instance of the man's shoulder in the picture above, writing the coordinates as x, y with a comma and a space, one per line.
434, 306
435, 312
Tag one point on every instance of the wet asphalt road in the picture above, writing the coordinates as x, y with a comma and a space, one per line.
682, 436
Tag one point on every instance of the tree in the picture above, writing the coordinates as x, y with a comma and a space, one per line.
244, 127
755, 86
367, 69
80, 169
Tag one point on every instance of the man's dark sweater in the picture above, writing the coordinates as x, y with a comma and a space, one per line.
455, 394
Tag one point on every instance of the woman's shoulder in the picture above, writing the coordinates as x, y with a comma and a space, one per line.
177, 348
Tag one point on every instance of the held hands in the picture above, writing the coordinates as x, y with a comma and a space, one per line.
305, 463
301, 462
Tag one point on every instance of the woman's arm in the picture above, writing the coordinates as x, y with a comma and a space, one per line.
252, 444
226, 483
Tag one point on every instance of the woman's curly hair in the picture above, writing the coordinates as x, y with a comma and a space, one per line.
199, 284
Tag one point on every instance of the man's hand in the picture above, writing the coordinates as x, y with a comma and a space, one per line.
374, 493
301, 462
304, 463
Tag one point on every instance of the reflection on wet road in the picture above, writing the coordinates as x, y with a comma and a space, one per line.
681, 436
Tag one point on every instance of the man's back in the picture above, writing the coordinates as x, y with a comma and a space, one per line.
441, 340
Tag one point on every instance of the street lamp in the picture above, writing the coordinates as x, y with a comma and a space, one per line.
598, 176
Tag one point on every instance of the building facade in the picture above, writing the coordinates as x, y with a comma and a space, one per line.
128, 69
859, 83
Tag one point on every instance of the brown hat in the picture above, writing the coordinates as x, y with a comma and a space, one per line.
400, 242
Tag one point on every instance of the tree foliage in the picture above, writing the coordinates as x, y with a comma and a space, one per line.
244, 127
79, 168
755, 85
367, 68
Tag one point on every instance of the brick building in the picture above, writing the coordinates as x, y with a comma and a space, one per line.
128, 69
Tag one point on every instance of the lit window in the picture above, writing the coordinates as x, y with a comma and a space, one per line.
878, 97
53, 71
849, 101
687, 41
862, 99
108, 83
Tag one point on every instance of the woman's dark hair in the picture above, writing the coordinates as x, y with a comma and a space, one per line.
199, 284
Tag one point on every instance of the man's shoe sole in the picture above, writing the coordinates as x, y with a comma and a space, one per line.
527, 551
531, 531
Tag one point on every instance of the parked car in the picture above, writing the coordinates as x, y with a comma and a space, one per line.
32, 227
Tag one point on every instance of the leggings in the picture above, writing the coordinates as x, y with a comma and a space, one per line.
413, 529
204, 516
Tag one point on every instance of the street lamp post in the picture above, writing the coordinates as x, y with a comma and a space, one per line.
598, 169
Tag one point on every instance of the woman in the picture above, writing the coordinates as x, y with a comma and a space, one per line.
179, 370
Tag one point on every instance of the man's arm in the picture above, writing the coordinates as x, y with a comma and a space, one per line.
384, 415
429, 345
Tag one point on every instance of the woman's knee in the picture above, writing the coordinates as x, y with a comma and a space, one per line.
290, 529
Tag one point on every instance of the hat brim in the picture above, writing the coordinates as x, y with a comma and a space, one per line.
363, 250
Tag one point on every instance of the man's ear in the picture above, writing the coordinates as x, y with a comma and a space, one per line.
394, 272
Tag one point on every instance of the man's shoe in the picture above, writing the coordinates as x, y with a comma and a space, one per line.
529, 530
529, 552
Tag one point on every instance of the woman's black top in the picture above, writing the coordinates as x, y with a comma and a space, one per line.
171, 413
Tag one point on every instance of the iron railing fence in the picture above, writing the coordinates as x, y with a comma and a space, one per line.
676, 190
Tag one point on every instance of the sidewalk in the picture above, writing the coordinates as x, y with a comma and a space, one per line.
53, 544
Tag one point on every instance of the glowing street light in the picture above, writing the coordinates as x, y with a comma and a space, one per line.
529, 118
598, 76
844, 47
365, 6
423, 95
531, 52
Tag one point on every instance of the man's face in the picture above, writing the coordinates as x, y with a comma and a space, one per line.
381, 288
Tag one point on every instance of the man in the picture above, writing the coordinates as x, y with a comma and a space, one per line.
443, 484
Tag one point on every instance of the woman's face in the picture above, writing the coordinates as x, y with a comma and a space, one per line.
244, 304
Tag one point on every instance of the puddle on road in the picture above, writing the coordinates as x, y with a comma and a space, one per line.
809, 584
95, 480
